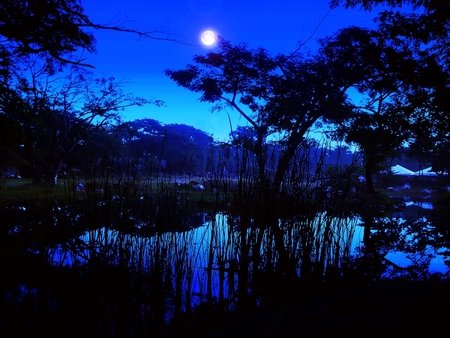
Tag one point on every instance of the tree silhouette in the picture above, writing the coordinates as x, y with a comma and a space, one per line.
424, 29
281, 96
392, 97
56, 28
56, 114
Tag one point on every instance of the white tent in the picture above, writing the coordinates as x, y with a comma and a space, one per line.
401, 171
425, 172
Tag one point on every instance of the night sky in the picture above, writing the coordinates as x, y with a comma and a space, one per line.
278, 26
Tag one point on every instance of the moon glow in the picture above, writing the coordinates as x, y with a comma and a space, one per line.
208, 38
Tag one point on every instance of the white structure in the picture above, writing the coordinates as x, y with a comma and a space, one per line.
401, 171
425, 172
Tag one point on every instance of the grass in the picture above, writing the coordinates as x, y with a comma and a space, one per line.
17, 190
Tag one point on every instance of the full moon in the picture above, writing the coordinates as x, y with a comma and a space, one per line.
208, 38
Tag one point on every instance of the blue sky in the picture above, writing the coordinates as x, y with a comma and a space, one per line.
278, 26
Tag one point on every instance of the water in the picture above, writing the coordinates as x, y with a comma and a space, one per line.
210, 261
223, 259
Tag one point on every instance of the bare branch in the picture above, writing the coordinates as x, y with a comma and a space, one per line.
309, 38
148, 34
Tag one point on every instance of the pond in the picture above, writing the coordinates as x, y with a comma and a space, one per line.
218, 256
422, 237
97, 259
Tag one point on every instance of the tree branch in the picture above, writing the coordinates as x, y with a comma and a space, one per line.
148, 35
309, 38
235, 106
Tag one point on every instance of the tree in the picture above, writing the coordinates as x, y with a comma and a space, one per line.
172, 148
425, 30
428, 22
386, 78
185, 149
379, 136
57, 112
281, 96
54, 28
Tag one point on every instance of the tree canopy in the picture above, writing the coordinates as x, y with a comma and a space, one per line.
53, 26
423, 29
158, 148
47, 96
55, 29
285, 96
55, 113
279, 96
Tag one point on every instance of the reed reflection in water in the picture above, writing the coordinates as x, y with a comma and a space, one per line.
223, 260
235, 260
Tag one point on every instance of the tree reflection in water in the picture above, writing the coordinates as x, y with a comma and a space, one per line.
411, 243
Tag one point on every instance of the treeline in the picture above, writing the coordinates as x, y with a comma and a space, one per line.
144, 148
137, 148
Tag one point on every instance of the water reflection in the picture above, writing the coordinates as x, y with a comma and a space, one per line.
230, 257
420, 204
223, 256
199, 259
414, 241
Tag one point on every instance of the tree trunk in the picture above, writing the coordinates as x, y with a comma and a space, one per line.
369, 179
29, 155
260, 155
285, 160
